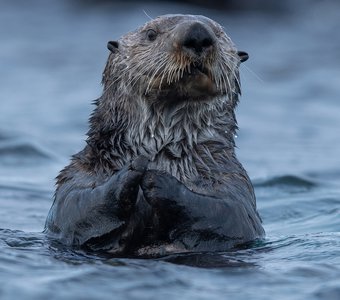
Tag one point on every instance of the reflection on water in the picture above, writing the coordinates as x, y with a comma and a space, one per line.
52, 56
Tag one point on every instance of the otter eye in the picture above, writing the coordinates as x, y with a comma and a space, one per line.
151, 34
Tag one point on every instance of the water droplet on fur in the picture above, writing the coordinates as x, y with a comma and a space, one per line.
152, 135
236, 136
225, 131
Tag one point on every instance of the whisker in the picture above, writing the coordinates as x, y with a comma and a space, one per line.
161, 65
252, 72
145, 13
144, 69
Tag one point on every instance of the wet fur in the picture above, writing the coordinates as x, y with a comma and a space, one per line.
188, 137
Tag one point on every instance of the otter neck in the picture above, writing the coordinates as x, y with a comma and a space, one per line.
188, 140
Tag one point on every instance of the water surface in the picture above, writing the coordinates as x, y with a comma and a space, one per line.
52, 56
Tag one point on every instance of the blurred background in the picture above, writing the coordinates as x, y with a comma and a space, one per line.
52, 54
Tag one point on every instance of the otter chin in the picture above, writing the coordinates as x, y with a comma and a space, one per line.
159, 173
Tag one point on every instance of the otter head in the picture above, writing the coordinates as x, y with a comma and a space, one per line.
175, 58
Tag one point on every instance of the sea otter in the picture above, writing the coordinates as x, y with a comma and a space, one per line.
159, 173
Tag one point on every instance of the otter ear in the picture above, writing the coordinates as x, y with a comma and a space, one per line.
243, 56
113, 46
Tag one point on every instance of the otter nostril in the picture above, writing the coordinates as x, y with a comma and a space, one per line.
197, 38
191, 43
198, 45
207, 42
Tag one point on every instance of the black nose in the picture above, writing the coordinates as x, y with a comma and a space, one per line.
197, 38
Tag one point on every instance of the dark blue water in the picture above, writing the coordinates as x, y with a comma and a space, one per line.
52, 54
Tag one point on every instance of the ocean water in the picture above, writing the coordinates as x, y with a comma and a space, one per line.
51, 58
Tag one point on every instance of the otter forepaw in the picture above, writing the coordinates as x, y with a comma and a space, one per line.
123, 187
160, 187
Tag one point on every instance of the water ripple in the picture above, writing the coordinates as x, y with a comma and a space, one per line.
286, 181
19, 152
20, 239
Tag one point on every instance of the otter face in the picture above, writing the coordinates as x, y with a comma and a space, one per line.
179, 58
